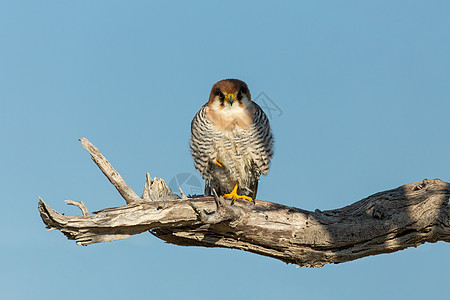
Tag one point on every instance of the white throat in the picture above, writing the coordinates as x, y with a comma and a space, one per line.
228, 109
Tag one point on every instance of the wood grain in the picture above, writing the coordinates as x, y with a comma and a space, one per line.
388, 221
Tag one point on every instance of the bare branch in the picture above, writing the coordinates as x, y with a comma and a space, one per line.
183, 196
79, 204
113, 176
385, 222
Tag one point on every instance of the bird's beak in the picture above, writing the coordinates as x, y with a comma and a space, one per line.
231, 98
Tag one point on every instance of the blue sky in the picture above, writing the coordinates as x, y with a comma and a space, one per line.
364, 95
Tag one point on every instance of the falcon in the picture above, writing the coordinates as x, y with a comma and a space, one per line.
231, 141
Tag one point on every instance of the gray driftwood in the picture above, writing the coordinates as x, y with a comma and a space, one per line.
388, 221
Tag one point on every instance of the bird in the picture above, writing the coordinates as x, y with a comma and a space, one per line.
231, 141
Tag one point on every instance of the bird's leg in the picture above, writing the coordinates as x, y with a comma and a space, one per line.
207, 191
255, 189
233, 195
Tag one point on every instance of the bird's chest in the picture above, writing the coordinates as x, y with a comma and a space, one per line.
230, 122
231, 138
232, 147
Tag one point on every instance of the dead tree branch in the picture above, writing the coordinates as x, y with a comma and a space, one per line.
385, 222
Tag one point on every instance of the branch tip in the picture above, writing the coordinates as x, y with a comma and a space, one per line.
220, 202
113, 176
80, 205
183, 196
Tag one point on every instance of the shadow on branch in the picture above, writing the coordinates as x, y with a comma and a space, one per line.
385, 222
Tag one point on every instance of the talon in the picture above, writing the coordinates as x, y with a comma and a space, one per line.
219, 163
233, 195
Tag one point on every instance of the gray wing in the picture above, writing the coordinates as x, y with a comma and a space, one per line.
201, 145
261, 141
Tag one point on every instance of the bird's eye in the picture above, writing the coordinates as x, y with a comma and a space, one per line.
221, 96
239, 95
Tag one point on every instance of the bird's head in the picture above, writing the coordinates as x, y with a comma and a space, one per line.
229, 95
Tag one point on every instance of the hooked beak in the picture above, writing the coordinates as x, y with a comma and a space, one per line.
231, 98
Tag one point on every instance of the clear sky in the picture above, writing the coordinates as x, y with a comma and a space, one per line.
360, 92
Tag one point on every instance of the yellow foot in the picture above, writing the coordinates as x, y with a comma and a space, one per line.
233, 195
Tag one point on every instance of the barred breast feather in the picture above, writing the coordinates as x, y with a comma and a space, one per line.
244, 154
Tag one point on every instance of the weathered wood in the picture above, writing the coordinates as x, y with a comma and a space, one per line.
156, 189
80, 205
388, 221
113, 176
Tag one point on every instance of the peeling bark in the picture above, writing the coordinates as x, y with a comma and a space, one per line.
388, 221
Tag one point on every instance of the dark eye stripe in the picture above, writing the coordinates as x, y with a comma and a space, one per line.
239, 95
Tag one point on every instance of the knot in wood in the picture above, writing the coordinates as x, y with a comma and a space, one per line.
378, 212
